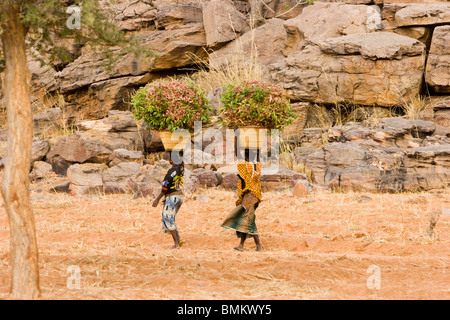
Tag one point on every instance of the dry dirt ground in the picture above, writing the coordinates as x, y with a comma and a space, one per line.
325, 246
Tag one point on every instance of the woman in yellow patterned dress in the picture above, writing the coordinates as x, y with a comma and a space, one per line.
242, 218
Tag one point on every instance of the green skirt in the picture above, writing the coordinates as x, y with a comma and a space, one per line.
242, 220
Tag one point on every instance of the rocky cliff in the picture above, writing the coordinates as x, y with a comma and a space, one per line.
375, 54
365, 52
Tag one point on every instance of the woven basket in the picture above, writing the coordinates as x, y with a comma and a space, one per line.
169, 145
249, 137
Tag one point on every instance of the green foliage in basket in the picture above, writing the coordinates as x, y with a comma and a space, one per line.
255, 103
171, 105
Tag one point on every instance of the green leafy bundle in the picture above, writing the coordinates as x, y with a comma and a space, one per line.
171, 105
255, 103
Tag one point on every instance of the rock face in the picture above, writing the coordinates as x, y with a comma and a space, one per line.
253, 43
173, 30
223, 22
396, 155
272, 177
98, 139
331, 20
132, 16
424, 14
358, 68
442, 112
363, 61
438, 65
294, 130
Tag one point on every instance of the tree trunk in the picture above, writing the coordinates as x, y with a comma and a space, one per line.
16, 181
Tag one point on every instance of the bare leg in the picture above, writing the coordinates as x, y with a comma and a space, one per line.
258, 244
176, 239
240, 247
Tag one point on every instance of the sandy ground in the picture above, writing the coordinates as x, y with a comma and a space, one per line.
326, 246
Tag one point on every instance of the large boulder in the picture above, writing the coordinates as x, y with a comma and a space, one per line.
277, 177
380, 68
39, 149
80, 148
175, 47
207, 178
374, 46
438, 65
41, 170
428, 167
110, 94
121, 178
89, 68
421, 33
229, 181
86, 178
43, 75
190, 182
124, 155
46, 121
423, 14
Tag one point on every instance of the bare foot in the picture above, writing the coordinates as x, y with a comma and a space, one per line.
239, 248
175, 246
258, 249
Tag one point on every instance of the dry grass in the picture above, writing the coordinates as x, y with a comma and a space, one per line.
319, 116
415, 107
241, 66
56, 127
314, 248
44, 101
287, 159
